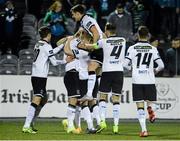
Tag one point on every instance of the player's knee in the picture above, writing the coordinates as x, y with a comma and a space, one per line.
104, 97
115, 99
85, 103
92, 102
37, 100
44, 101
93, 66
140, 105
73, 101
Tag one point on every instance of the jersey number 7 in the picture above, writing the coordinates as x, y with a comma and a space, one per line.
36, 54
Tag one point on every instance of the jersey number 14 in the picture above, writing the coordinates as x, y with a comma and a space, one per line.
144, 59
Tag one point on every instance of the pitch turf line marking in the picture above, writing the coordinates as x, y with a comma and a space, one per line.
89, 140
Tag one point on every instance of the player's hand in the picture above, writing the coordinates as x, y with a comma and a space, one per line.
155, 72
82, 45
69, 59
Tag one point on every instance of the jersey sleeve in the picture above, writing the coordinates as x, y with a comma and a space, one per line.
123, 49
88, 24
156, 55
49, 51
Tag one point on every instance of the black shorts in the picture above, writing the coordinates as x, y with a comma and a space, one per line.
71, 81
83, 88
144, 92
111, 82
39, 86
97, 55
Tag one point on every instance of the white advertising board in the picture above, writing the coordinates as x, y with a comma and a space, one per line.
16, 94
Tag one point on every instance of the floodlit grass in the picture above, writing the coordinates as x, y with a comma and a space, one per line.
53, 130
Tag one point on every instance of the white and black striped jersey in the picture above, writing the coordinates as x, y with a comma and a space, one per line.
142, 56
114, 53
87, 22
43, 55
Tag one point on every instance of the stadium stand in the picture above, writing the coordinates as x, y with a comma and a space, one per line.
25, 66
9, 64
53, 70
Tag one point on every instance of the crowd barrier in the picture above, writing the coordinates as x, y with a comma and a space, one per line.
16, 94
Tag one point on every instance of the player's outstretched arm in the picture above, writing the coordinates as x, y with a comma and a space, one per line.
62, 41
56, 62
58, 49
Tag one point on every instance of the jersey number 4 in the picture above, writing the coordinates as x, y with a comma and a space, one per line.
144, 59
116, 51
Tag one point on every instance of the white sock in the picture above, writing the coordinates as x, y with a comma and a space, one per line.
102, 110
30, 116
96, 114
91, 84
116, 114
142, 119
71, 115
78, 116
38, 110
87, 116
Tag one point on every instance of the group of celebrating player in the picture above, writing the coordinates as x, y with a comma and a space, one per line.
89, 55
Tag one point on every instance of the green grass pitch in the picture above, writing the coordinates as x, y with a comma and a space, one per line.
53, 130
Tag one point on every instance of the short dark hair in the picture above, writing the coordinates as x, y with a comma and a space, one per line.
44, 31
120, 5
78, 8
176, 39
110, 27
143, 32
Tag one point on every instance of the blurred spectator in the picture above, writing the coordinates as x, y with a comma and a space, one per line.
138, 14
173, 58
10, 29
92, 12
169, 12
104, 8
122, 21
155, 42
57, 21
